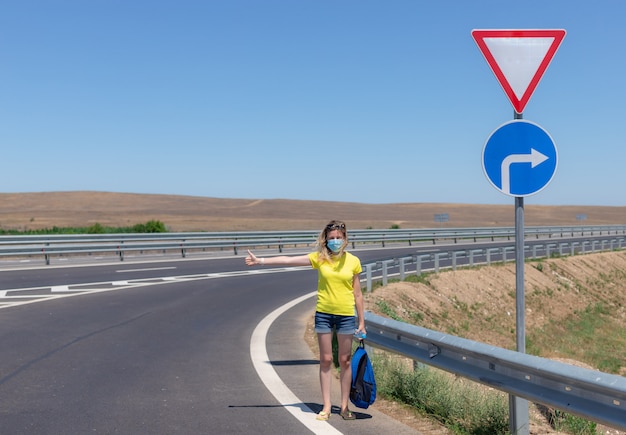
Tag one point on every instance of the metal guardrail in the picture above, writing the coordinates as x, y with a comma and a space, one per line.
382, 270
50, 245
591, 394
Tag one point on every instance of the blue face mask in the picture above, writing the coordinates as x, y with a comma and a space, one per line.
335, 245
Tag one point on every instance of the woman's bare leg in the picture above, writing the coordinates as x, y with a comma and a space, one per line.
345, 377
326, 361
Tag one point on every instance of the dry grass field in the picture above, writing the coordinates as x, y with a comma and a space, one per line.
23, 211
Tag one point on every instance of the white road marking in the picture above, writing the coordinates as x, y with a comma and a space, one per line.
261, 362
145, 269
40, 294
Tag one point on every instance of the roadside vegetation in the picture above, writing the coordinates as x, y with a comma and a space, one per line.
152, 226
462, 406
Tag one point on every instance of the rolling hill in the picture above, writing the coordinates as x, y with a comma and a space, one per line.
179, 213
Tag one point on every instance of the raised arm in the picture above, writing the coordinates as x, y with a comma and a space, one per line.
281, 260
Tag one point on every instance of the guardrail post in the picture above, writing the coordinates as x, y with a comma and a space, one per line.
418, 265
437, 263
385, 264
384, 273
368, 277
453, 255
401, 262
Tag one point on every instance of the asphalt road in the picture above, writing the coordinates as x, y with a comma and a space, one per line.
157, 348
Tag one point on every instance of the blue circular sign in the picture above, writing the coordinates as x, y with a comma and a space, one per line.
519, 158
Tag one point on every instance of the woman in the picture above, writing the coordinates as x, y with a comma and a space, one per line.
338, 292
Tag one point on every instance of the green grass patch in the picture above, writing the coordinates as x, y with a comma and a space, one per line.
583, 336
459, 405
388, 311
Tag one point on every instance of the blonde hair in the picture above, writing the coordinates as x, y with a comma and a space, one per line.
324, 253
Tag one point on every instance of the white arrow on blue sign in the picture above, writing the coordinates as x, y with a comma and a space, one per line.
519, 158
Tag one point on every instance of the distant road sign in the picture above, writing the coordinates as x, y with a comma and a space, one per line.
441, 217
518, 58
519, 158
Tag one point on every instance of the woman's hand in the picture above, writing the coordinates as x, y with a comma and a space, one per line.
360, 332
251, 259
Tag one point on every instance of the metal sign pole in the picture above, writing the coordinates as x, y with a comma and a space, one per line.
518, 407
518, 58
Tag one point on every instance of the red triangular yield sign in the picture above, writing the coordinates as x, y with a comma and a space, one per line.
518, 58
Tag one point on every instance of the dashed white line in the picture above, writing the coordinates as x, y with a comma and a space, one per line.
145, 269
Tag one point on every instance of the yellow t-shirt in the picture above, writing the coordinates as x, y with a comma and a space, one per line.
335, 294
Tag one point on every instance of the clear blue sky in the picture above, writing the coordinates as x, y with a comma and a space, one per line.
339, 100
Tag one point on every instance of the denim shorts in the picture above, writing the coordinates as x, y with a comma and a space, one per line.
325, 322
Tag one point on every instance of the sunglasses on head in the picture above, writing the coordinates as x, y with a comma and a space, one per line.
331, 227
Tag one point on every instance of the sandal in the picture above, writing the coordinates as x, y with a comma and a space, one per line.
347, 415
323, 416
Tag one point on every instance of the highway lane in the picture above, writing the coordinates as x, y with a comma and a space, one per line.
74, 271
169, 357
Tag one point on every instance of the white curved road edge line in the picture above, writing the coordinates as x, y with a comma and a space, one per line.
265, 370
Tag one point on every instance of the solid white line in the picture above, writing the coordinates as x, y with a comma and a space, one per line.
263, 366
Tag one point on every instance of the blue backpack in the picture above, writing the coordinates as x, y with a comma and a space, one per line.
363, 390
